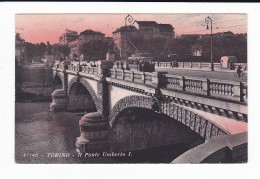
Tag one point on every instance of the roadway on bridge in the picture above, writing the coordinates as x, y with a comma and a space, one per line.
221, 75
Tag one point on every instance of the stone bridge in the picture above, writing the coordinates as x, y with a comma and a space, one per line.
132, 110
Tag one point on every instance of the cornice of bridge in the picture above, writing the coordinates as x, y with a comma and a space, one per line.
135, 87
212, 105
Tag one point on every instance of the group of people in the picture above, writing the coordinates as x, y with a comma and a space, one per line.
239, 71
85, 64
174, 63
93, 65
120, 65
140, 66
146, 66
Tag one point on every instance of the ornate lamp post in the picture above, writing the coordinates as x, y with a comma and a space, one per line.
209, 20
129, 21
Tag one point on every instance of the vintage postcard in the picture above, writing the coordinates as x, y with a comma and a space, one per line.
131, 88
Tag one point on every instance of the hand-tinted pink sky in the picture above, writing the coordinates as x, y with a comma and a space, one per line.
36, 28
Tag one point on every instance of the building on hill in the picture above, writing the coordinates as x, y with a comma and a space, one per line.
74, 47
152, 29
89, 35
145, 30
119, 37
84, 37
68, 37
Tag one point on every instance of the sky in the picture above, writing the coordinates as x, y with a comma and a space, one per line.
36, 28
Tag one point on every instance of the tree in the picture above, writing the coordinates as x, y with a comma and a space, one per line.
225, 44
17, 36
35, 51
60, 51
185, 44
94, 49
156, 45
49, 49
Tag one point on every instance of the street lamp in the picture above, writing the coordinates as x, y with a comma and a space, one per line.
130, 21
209, 20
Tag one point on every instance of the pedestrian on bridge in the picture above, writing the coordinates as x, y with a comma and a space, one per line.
140, 66
239, 70
122, 65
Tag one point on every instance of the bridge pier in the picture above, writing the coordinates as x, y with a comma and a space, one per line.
59, 96
59, 100
94, 133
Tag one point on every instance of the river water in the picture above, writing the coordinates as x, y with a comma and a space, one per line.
48, 137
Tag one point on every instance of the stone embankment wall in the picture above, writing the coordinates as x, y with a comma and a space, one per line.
34, 79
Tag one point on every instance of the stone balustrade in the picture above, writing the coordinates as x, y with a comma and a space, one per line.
101, 69
85, 69
75, 68
89, 70
202, 65
187, 64
211, 87
244, 91
72, 68
147, 78
236, 91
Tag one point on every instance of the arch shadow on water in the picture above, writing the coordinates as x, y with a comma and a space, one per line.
80, 99
150, 137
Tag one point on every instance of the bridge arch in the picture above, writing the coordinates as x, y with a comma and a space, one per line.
81, 95
199, 124
130, 101
58, 81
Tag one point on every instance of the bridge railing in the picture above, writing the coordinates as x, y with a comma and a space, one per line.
226, 88
59, 66
236, 91
210, 87
244, 91
84, 69
202, 65
187, 64
72, 67
134, 76
90, 70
